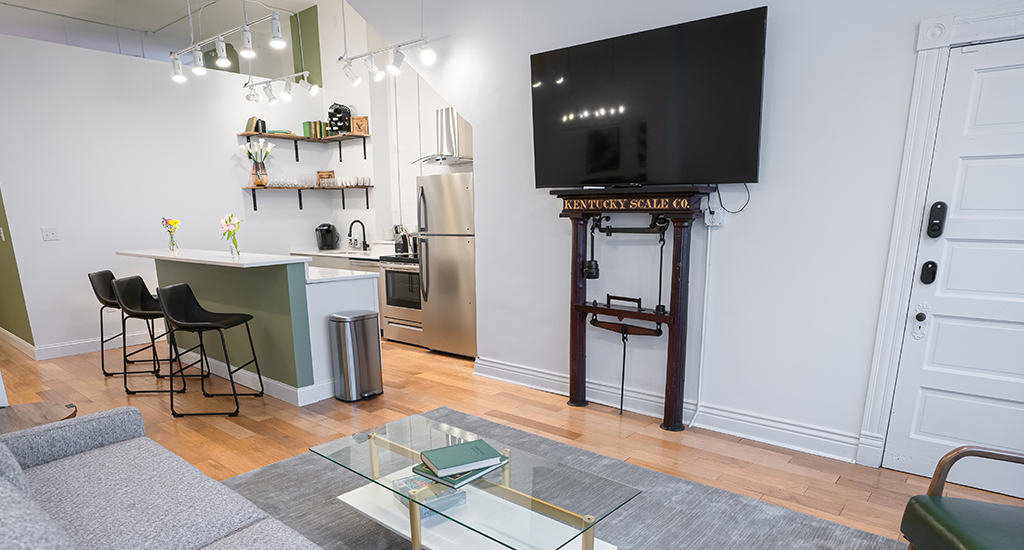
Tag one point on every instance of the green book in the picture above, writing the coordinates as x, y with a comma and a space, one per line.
455, 480
306, 129
455, 459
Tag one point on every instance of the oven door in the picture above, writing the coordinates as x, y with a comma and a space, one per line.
401, 288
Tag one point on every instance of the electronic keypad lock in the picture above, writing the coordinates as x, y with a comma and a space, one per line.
937, 219
928, 271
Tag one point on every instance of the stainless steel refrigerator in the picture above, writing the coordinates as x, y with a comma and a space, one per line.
444, 208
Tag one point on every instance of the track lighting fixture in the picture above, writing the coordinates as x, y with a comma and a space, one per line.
246, 51
276, 40
395, 67
313, 89
286, 94
269, 92
178, 75
427, 55
198, 63
252, 96
351, 74
222, 53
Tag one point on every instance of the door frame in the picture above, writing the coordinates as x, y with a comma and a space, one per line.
935, 37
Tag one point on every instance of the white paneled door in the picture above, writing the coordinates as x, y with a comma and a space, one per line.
961, 373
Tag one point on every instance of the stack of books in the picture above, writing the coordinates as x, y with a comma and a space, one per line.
457, 465
316, 129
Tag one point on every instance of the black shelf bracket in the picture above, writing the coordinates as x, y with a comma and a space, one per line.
339, 152
296, 142
253, 199
364, 152
342, 198
300, 198
367, 192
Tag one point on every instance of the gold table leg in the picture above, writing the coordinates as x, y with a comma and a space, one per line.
415, 531
506, 470
374, 457
588, 535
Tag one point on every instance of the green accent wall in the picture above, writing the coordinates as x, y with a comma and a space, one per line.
309, 52
13, 313
276, 298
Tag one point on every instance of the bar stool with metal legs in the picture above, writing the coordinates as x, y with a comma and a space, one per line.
184, 314
102, 287
136, 302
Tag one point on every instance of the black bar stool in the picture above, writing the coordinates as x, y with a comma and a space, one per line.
103, 288
184, 314
136, 302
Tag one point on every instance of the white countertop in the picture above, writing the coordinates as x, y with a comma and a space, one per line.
369, 255
216, 257
327, 274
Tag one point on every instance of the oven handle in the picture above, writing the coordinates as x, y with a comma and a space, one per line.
404, 268
424, 270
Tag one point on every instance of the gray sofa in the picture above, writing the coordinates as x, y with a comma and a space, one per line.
97, 481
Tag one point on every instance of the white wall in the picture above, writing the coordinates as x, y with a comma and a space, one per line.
795, 279
101, 146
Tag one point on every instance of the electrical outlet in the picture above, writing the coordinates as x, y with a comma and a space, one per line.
49, 233
713, 219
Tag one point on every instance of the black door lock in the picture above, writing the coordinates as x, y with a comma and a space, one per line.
920, 317
937, 219
928, 271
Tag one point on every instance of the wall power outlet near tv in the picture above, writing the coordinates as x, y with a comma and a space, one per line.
712, 217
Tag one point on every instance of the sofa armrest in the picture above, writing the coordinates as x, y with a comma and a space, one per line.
49, 442
946, 463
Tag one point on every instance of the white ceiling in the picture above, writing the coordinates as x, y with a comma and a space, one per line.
151, 15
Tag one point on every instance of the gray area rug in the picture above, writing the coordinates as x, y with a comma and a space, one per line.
670, 513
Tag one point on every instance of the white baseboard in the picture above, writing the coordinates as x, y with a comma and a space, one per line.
798, 436
88, 345
18, 343
287, 393
869, 452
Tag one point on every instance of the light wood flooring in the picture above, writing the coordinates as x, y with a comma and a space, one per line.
416, 381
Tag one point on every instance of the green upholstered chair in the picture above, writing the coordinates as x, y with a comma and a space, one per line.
935, 522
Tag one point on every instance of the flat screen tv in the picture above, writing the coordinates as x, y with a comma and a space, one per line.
671, 106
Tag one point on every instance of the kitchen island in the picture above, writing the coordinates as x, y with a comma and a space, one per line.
290, 303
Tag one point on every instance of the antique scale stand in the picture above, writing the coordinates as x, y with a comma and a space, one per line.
675, 205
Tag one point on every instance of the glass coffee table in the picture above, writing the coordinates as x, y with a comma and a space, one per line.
530, 503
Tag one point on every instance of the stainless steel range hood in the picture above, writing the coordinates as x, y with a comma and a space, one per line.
454, 140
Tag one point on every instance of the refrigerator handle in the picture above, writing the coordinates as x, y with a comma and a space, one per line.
424, 270
421, 211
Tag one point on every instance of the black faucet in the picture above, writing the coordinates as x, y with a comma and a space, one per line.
366, 245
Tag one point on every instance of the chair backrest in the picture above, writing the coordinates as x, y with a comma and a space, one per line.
133, 296
102, 287
179, 304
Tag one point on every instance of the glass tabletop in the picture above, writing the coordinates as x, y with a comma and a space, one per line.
531, 503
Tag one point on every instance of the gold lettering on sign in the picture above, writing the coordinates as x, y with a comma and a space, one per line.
632, 204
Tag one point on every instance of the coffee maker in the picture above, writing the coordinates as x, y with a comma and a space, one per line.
327, 237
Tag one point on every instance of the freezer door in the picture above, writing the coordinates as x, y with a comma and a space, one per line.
444, 204
448, 292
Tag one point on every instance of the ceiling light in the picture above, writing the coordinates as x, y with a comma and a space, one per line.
622, 109
395, 67
269, 92
247, 51
198, 63
276, 40
286, 94
351, 74
560, 80
252, 96
313, 89
371, 63
178, 75
537, 84
427, 55
222, 54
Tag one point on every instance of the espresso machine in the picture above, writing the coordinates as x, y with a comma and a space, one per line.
327, 237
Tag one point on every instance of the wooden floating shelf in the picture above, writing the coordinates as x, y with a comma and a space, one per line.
366, 191
295, 139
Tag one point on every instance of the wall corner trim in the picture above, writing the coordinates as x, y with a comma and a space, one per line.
18, 343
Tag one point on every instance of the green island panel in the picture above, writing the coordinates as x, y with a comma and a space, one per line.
276, 298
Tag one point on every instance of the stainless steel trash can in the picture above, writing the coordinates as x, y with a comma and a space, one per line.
355, 352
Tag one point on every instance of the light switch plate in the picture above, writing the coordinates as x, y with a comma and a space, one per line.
3, 235
49, 233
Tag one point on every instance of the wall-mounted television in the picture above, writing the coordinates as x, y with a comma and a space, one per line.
670, 106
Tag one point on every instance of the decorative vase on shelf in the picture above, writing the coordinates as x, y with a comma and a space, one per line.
258, 178
172, 245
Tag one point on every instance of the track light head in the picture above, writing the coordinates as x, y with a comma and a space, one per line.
375, 72
252, 96
313, 89
246, 51
177, 74
351, 74
395, 67
427, 55
276, 39
222, 54
269, 92
286, 94
198, 63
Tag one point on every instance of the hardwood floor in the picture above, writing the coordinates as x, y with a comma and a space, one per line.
416, 381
